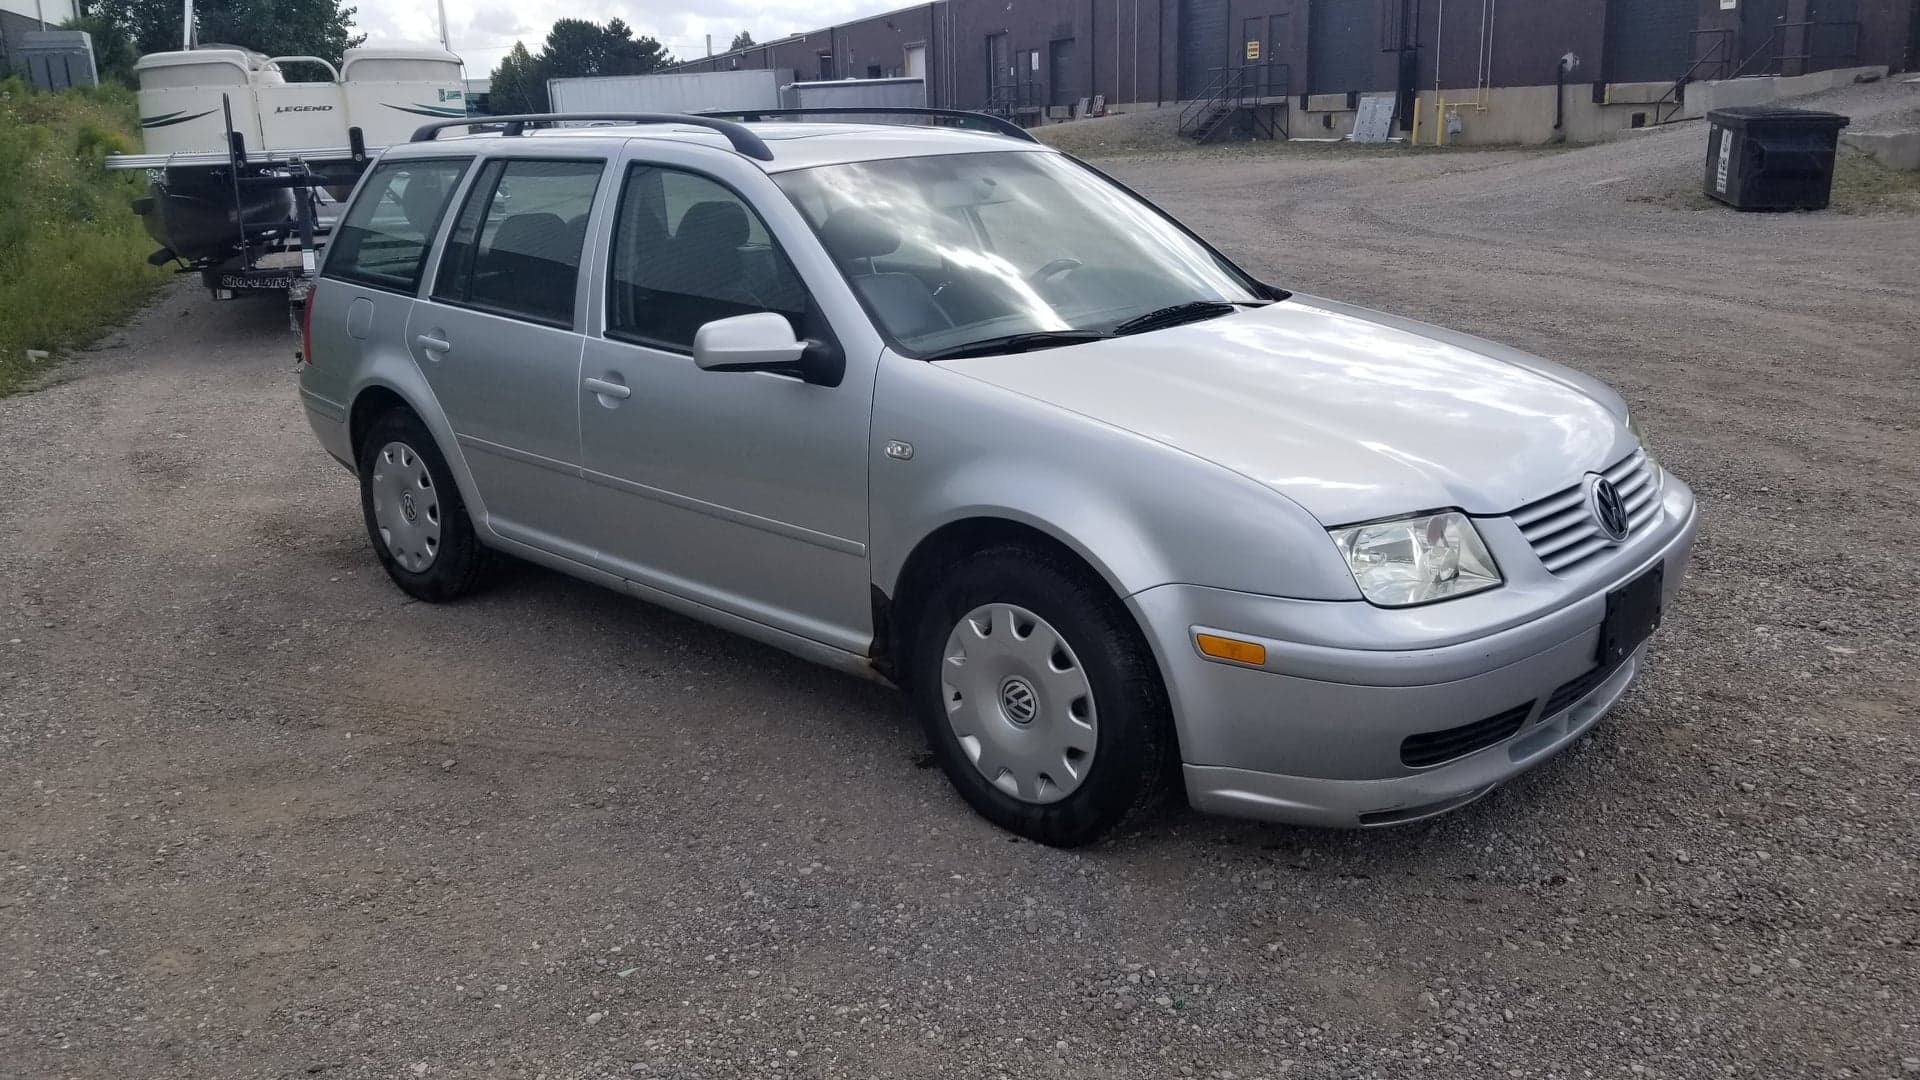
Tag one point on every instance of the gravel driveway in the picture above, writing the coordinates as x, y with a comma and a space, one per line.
260, 816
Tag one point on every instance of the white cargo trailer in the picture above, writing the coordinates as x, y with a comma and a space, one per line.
909, 93
681, 92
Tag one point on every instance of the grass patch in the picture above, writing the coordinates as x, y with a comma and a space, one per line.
72, 255
1861, 185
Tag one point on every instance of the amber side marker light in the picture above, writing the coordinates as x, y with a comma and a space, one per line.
1226, 648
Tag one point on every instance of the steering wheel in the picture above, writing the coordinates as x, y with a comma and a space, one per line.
1054, 268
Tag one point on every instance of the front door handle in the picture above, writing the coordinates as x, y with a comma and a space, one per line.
431, 343
618, 391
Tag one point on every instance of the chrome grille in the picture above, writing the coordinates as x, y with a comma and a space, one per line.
1561, 527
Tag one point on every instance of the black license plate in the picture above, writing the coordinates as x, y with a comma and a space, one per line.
1633, 614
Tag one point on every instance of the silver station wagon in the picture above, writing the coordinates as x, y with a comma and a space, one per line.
947, 407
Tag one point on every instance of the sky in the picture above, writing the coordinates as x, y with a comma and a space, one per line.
483, 30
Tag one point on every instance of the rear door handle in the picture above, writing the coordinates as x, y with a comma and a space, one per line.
604, 388
431, 343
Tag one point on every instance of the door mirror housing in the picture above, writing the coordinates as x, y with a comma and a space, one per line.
762, 341
765, 341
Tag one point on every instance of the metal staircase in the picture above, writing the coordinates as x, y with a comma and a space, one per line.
1239, 95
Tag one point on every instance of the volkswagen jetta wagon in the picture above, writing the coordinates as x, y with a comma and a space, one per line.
950, 408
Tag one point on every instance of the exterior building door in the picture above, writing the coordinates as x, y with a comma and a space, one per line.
1650, 40
1060, 74
1204, 30
999, 70
1760, 35
1344, 44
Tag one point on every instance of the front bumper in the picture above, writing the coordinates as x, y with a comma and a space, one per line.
1316, 735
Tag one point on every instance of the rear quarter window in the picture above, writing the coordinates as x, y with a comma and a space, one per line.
386, 234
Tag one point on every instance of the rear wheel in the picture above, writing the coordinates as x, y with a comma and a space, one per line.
1039, 697
415, 516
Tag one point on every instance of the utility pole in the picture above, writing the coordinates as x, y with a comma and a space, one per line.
709, 45
444, 43
186, 24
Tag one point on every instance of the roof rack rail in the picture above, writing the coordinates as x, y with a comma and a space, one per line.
744, 141
995, 124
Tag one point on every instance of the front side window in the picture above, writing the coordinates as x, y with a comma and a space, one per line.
384, 239
687, 251
952, 250
515, 249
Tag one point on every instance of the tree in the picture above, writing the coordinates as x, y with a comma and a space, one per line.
275, 27
577, 47
629, 55
113, 49
517, 85
741, 40
574, 48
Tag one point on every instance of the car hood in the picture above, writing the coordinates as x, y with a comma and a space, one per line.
1352, 414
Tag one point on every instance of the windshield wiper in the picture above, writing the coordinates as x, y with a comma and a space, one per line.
1015, 343
1191, 311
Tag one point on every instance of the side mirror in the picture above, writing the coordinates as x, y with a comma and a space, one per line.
762, 341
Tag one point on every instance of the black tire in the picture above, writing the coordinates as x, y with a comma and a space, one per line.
459, 564
1136, 755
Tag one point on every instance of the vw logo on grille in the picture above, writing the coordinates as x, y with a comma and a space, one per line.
1018, 700
1609, 509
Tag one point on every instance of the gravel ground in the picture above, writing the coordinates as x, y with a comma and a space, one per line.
262, 817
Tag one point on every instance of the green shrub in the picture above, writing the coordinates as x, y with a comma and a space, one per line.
72, 254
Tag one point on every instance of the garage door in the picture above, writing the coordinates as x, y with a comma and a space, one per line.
1343, 39
1648, 40
1203, 44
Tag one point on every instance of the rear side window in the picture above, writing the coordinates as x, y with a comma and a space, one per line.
384, 239
687, 251
515, 249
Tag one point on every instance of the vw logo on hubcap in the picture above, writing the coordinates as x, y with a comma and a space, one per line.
1018, 700
406, 507
1609, 509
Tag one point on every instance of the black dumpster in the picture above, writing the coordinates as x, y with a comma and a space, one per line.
1763, 158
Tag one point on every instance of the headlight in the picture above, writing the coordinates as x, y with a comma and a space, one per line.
1414, 560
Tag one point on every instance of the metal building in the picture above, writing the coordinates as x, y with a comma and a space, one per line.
1493, 66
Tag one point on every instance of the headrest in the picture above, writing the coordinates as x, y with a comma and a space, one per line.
421, 202
854, 233
537, 234
718, 223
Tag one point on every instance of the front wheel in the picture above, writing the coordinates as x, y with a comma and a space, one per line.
415, 516
1039, 697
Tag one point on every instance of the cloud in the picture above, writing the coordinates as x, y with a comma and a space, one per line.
483, 35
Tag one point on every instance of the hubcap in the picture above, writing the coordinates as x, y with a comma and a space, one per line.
1019, 703
406, 508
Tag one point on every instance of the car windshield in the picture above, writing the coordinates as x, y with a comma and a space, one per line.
955, 253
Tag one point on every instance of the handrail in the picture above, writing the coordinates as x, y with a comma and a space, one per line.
1232, 88
997, 125
1006, 99
1677, 93
331, 70
1754, 55
1807, 27
742, 140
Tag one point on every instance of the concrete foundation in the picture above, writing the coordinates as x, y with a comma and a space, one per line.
1895, 150
1525, 114
1704, 97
